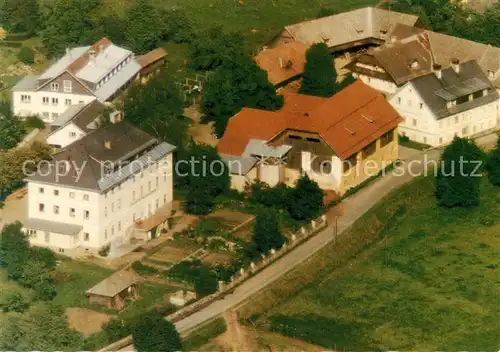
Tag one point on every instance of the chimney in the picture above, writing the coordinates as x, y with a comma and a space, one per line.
107, 144
455, 64
437, 70
92, 57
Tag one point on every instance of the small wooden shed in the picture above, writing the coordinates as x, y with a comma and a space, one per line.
114, 290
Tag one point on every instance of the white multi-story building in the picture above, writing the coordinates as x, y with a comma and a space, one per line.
105, 188
457, 101
83, 74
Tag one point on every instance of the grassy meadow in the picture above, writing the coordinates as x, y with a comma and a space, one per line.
406, 276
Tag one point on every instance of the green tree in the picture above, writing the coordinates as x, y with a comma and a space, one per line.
213, 47
154, 333
158, 109
177, 26
13, 300
266, 232
320, 76
144, 26
20, 16
237, 83
306, 199
14, 250
207, 176
458, 175
71, 23
205, 282
11, 128
37, 277
493, 165
116, 329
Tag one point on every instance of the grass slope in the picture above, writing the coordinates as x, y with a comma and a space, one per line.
430, 281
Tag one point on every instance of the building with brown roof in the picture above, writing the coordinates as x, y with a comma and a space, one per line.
114, 290
283, 63
413, 52
348, 30
337, 141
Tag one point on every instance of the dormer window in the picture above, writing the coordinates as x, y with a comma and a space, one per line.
54, 86
67, 86
485, 92
491, 74
414, 65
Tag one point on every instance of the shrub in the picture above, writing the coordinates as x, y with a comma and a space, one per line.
13, 301
104, 251
34, 122
26, 55
195, 273
154, 333
306, 199
275, 197
116, 329
205, 282
143, 269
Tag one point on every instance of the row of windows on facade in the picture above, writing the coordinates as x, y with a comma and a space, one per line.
443, 123
72, 211
56, 193
34, 233
113, 72
26, 99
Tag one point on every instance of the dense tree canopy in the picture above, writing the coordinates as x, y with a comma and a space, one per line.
20, 16
458, 175
143, 30
206, 176
306, 199
154, 333
157, 109
320, 77
71, 23
267, 234
237, 83
213, 47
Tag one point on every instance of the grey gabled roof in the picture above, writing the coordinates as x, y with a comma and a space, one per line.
62, 64
238, 165
113, 143
103, 63
113, 284
27, 83
127, 73
68, 115
260, 148
437, 92
52, 226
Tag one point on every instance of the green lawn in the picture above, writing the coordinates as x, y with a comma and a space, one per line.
420, 278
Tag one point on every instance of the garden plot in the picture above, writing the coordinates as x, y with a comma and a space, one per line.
172, 252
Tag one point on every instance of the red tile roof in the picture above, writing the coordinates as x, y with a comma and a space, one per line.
282, 62
97, 47
151, 57
347, 122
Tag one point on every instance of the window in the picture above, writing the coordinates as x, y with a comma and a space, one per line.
119, 225
56, 192
399, 100
41, 190
369, 150
86, 236
414, 122
72, 135
47, 237
72, 195
85, 197
387, 138
45, 100
25, 98
105, 234
112, 207
157, 181
45, 114
55, 101
456, 119
72, 212
141, 191
157, 204
425, 140
112, 231
86, 214
105, 211
54, 86
465, 131
81, 102
440, 140
421, 106
61, 250
149, 186
164, 199
67, 102
314, 140
164, 177
41, 207
67, 86
56, 209
54, 115
119, 203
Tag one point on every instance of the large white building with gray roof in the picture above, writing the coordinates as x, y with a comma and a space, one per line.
111, 186
83, 74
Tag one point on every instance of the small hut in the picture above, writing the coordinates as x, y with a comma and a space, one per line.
114, 290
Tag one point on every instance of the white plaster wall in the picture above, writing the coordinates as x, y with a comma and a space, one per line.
36, 106
379, 84
239, 182
270, 174
62, 137
327, 180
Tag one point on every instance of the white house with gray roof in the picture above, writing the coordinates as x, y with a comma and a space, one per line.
112, 185
457, 101
83, 74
